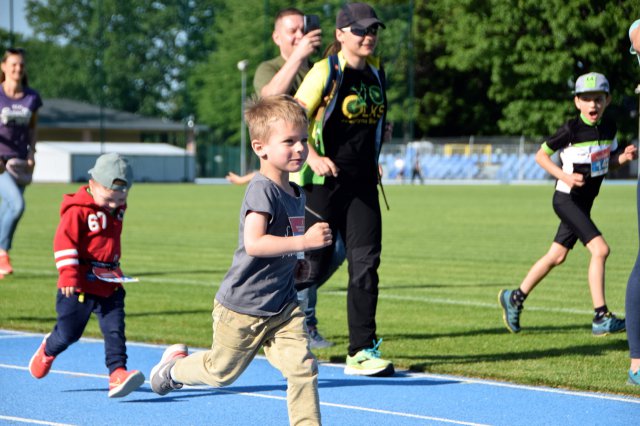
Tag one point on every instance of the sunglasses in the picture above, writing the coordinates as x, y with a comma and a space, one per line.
361, 32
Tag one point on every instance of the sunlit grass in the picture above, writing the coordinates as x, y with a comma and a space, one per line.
447, 251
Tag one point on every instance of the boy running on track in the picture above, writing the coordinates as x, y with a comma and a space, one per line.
587, 146
256, 305
87, 254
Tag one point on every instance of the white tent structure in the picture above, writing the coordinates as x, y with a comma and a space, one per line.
151, 162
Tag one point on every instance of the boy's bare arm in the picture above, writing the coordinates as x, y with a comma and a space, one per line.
630, 153
258, 243
545, 161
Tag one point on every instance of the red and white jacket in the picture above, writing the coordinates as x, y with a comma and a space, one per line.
86, 233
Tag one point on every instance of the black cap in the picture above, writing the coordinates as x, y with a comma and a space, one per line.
359, 15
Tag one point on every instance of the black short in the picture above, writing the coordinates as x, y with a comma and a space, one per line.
576, 223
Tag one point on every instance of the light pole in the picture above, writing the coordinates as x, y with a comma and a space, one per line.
242, 66
189, 145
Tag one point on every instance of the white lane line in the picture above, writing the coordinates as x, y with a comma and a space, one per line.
595, 395
405, 373
384, 294
265, 396
398, 414
458, 302
31, 421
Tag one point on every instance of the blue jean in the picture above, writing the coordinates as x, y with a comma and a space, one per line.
11, 208
73, 316
632, 300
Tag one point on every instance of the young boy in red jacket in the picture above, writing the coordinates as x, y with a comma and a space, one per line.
87, 255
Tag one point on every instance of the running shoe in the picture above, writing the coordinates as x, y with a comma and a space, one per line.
123, 382
161, 381
609, 324
367, 362
510, 312
5, 265
40, 363
316, 341
634, 378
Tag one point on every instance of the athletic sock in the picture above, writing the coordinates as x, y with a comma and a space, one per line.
600, 313
518, 297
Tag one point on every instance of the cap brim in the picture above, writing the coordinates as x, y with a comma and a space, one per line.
366, 23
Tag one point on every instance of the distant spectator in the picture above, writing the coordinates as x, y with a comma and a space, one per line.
416, 171
19, 106
284, 73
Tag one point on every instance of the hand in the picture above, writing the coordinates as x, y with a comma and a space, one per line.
68, 291
308, 44
630, 153
31, 164
302, 270
323, 166
318, 236
239, 180
573, 180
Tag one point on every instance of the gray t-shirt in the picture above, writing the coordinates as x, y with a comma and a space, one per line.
263, 286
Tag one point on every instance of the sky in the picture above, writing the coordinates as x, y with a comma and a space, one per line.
19, 23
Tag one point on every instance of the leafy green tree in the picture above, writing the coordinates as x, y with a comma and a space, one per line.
516, 61
129, 55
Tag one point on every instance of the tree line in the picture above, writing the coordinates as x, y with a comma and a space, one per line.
454, 67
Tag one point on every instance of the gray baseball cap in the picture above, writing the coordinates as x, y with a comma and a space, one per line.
111, 167
592, 82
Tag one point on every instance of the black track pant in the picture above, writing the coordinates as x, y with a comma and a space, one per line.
353, 210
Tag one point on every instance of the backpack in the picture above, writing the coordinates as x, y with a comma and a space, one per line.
329, 91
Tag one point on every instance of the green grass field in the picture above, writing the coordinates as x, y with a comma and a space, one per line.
447, 251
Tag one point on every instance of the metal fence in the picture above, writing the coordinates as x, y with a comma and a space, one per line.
500, 159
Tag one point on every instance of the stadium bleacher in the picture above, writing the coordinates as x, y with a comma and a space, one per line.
504, 167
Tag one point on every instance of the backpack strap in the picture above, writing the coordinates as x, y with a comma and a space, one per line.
330, 86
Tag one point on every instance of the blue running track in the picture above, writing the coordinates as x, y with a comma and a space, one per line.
75, 393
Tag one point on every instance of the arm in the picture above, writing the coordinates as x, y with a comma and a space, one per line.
634, 35
322, 166
33, 128
239, 180
618, 159
309, 96
281, 82
258, 243
65, 247
545, 161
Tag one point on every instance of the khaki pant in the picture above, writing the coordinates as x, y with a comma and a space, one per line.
236, 341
